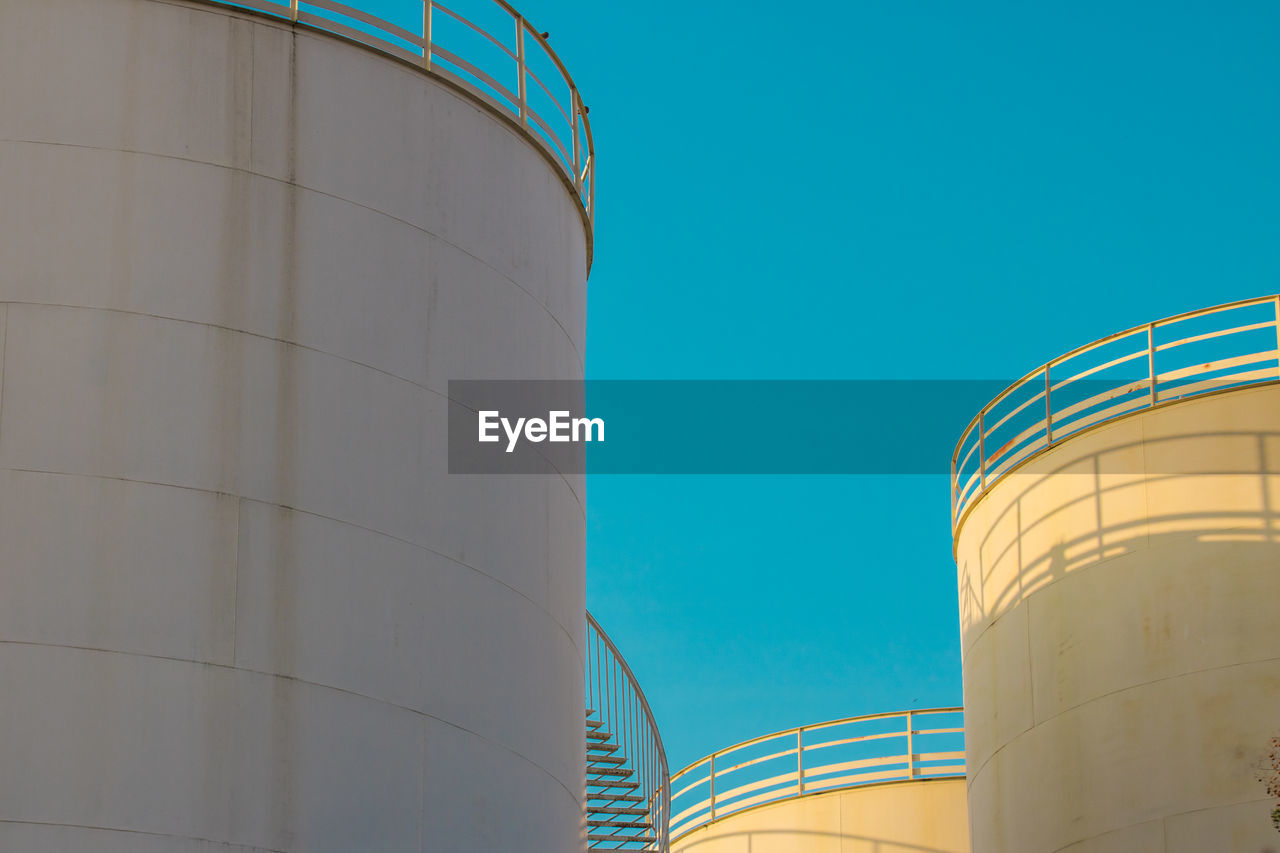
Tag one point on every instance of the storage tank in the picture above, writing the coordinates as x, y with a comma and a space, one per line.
886, 783
1116, 536
243, 604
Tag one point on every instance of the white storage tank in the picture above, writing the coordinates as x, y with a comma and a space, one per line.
1118, 549
243, 604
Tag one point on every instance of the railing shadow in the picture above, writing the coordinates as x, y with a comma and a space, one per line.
1096, 507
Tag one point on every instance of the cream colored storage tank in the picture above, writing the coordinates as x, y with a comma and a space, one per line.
1118, 593
243, 605
887, 783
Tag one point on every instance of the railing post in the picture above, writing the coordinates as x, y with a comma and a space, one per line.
982, 452
293, 11
1151, 359
713, 788
911, 748
1276, 304
520, 65
955, 488
426, 34
800, 760
575, 101
1048, 410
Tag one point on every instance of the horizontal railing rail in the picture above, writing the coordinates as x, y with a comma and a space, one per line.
1189, 355
628, 788
857, 751
484, 47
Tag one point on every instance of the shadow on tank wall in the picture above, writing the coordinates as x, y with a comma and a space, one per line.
1110, 501
1118, 640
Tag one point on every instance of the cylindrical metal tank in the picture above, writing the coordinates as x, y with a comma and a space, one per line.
926, 816
1118, 575
872, 784
243, 604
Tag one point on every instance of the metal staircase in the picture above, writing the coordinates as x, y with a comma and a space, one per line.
617, 817
628, 791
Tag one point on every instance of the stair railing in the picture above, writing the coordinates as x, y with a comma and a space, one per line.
628, 784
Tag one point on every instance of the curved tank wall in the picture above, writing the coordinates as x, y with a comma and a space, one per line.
242, 604
1121, 653
926, 816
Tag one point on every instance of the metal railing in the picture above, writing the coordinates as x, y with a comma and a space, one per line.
614, 804
905, 746
1189, 355
519, 74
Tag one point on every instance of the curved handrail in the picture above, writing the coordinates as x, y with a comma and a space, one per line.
1189, 355
823, 757
508, 81
615, 700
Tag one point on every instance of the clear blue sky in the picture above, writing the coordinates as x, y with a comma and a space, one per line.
880, 190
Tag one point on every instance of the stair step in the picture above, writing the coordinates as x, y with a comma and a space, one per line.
612, 771
614, 780
624, 824
632, 795
605, 784
598, 735
607, 759
613, 798
624, 810
645, 839
601, 748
